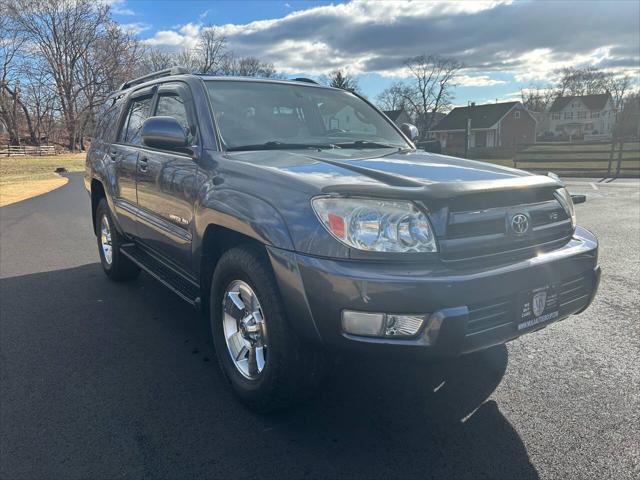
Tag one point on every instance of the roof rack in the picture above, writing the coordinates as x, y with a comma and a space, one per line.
305, 80
152, 76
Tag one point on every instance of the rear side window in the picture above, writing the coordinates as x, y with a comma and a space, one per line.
172, 105
138, 112
107, 120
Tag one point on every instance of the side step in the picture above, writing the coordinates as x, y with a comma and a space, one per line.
178, 283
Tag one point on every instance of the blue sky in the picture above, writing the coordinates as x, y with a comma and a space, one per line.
505, 45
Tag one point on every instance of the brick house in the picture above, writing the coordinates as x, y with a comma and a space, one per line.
492, 125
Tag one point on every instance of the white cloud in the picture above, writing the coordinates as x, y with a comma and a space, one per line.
529, 40
477, 81
135, 28
118, 7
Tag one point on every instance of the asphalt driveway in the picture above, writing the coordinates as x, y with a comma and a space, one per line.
103, 380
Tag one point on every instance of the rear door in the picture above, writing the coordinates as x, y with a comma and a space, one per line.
165, 183
124, 155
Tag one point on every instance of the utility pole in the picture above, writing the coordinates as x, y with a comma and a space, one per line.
467, 135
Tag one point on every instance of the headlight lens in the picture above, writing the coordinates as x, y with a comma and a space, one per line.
563, 196
376, 225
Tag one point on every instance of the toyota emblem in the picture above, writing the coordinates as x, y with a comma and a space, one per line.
519, 223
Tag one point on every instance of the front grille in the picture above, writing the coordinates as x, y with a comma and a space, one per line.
575, 293
487, 231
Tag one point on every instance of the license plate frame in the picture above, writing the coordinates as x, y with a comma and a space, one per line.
531, 312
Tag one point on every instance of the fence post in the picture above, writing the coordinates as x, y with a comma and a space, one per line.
620, 148
611, 152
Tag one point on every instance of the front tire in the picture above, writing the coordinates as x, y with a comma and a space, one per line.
267, 365
115, 265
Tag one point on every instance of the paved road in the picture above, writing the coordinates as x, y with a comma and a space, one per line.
104, 380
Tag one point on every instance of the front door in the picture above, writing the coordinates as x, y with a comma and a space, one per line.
165, 183
124, 155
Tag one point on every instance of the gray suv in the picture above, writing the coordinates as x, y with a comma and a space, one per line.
303, 223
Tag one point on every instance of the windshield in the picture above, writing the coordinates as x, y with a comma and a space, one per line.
256, 115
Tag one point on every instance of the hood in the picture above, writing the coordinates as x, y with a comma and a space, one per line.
385, 171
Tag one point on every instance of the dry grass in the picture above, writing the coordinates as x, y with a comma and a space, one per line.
25, 177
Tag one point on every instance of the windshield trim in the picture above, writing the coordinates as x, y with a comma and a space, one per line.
222, 146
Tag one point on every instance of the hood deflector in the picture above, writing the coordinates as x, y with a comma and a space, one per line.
445, 190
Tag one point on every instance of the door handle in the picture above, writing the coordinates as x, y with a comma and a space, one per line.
143, 164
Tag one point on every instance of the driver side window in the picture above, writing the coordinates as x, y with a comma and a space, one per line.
172, 105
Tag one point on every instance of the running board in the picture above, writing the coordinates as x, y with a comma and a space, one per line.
178, 283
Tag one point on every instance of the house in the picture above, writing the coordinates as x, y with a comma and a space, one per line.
492, 125
580, 115
398, 116
346, 119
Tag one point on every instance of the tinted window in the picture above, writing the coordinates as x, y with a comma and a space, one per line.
254, 113
132, 127
173, 105
107, 120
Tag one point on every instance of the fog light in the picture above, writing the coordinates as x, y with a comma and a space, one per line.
403, 325
363, 323
381, 324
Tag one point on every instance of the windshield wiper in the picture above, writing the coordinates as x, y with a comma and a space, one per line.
369, 144
276, 145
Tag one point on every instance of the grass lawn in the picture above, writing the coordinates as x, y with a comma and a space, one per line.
26, 177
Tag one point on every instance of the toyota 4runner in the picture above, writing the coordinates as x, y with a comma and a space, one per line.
303, 222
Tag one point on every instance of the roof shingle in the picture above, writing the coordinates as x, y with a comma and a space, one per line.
592, 102
482, 116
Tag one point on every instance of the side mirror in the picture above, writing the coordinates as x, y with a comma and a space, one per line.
164, 133
411, 131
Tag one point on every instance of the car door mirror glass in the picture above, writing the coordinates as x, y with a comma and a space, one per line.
164, 133
410, 131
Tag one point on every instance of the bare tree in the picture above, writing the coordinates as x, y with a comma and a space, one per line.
394, 97
62, 32
582, 81
154, 59
431, 87
13, 110
619, 89
211, 49
248, 67
537, 98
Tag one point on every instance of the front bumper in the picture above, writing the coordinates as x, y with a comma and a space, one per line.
317, 290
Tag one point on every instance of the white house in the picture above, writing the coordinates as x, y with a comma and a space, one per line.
348, 120
580, 115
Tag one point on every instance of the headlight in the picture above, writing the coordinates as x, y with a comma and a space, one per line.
563, 196
376, 225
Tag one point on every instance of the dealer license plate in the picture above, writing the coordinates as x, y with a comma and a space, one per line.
537, 306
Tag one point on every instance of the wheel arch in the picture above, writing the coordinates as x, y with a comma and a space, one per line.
218, 239
97, 193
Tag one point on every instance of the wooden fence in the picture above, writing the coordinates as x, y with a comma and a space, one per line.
618, 158
15, 150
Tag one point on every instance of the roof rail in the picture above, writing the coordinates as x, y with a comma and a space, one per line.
305, 80
160, 73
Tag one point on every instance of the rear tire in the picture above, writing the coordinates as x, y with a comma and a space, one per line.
115, 265
285, 371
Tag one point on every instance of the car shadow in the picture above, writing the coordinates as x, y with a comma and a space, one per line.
126, 373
